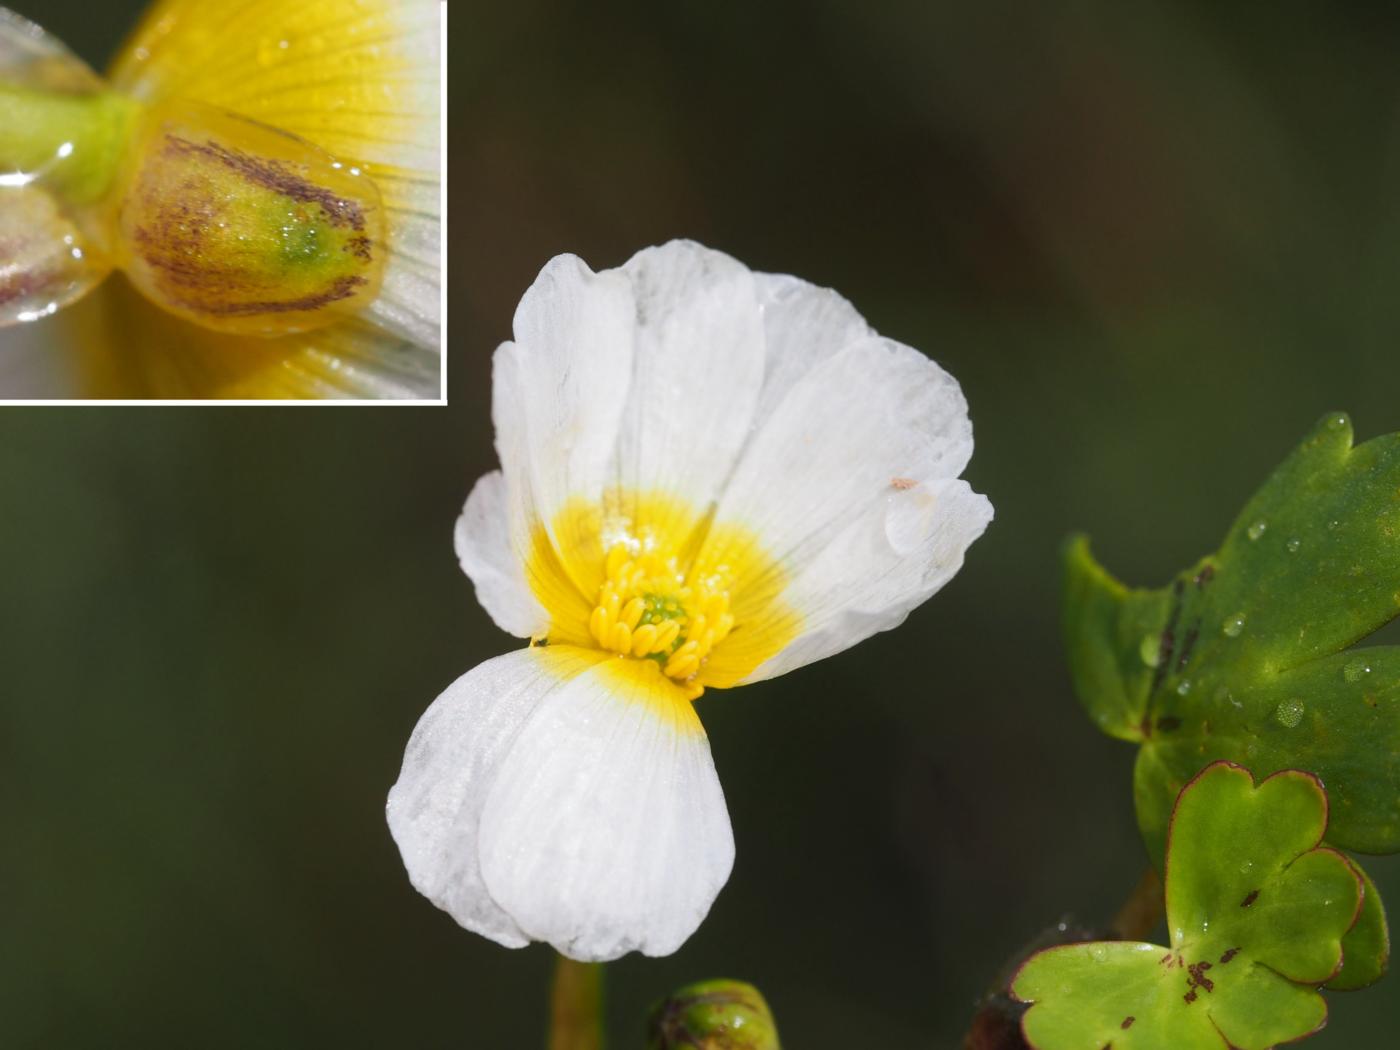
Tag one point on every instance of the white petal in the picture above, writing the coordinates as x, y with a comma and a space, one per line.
559, 389
885, 564
483, 544
803, 325
448, 768
606, 830
696, 373
817, 483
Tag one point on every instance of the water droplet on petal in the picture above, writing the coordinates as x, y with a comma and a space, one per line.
1233, 626
1257, 529
1290, 713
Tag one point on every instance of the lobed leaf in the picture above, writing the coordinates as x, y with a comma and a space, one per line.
1244, 656
1256, 912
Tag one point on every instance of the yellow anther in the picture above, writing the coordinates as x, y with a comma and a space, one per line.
631, 613
620, 638
599, 624
644, 640
683, 667
647, 607
667, 635
696, 628
617, 557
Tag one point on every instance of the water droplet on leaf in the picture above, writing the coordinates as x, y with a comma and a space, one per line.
1290, 713
1257, 529
1293, 545
1184, 687
1150, 650
1233, 626
1356, 670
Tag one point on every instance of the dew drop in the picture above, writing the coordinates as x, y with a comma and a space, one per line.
1257, 529
1223, 695
1293, 545
1233, 626
1290, 713
1356, 670
1184, 687
1150, 650
1337, 422
1246, 867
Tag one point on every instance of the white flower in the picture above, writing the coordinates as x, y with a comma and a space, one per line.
709, 477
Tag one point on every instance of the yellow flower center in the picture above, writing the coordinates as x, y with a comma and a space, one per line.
650, 579
648, 609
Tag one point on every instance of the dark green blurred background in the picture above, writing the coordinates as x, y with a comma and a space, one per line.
1154, 242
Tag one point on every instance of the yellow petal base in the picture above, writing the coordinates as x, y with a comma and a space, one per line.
661, 585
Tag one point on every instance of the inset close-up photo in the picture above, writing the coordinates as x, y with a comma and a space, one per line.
905, 555
247, 205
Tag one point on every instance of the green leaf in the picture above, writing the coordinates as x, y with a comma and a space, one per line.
713, 1015
1241, 656
1112, 639
1366, 947
1256, 912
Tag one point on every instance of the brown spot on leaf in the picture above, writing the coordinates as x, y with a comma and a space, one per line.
1168, 643
1188, 644
1229, 955
1168, 723
1204, 577
1249, 899
1128, 1022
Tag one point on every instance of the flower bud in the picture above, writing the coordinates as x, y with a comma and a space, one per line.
240, 227
713, 1015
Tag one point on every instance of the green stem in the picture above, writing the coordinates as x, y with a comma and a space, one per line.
75, 141
576, 1006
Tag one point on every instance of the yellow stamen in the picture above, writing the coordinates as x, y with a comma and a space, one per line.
643, 639
648, 609
657, 583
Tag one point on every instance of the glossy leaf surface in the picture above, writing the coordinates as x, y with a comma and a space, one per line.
1256, 912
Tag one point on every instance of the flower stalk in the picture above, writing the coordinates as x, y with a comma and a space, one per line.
73, 142
576, 1006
